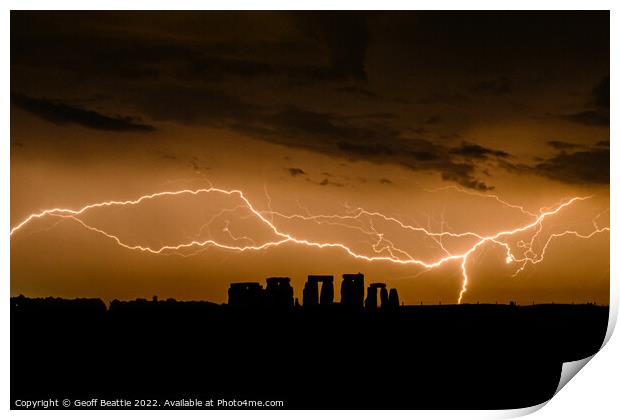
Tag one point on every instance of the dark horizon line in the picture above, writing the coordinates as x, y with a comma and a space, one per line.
156, 299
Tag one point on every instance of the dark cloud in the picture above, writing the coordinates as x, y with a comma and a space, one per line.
62, 113
323, 132
346, 36
192, 66
196, 105
327, 182
563, 145
296, 123
215, 68
312, 45
296, 171
297, 79
598, 114
592, 117
582, 167
467, 182
587, 165
600, 93
385, 181
360, 90
306, 48
475, 151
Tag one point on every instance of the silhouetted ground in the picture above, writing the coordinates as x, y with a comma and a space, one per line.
467, 356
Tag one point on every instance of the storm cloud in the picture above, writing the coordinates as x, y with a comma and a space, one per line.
387, 88
598, 104
581, 167
61, 113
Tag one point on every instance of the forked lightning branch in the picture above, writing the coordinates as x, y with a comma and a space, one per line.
383, 250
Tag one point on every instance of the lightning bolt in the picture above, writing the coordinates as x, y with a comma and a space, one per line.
357, 219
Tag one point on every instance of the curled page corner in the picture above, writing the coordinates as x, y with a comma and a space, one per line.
569, 370
611, 322
520, 412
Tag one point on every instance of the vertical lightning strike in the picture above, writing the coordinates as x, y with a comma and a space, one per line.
465, 279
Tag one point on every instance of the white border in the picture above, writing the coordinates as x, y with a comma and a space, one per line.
593, 393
